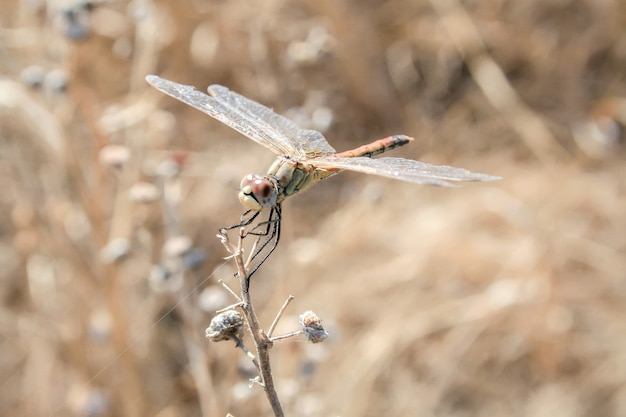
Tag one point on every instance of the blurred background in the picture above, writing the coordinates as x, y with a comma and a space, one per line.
505, 298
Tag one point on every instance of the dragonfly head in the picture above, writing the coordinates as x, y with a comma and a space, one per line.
257, 193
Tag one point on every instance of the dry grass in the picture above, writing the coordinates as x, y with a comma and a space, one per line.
498, 299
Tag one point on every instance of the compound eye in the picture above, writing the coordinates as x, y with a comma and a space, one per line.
248, 180
257, 192
262, 190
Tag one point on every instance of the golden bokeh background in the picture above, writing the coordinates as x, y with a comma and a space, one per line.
505, 298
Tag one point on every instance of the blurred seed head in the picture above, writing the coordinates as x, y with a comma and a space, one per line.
115, 251
597, 136
113, 119
164, 279
168, 168
177, 246
74, 21
225, 326
56, 81
84, 401
317, 43
213, 298
72, 27
193, 258
322, 118
138, 10
33, 76
203, 45
312, 327
114, 156
100, 324
144, 192
313, 114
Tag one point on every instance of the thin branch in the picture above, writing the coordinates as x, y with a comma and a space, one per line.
285, 336
279, 315
252, 251
221, 281
261, 341
230, 307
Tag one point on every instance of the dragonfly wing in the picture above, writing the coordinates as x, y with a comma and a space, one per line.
304, 142
312, 144
245, 116
403, 169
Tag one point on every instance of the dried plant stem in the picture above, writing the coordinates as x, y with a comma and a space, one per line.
230, 307
278, 316
227, 288
286, 336
262, 342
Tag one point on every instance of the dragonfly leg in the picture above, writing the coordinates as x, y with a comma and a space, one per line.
271, 219
272, 234
246, 218
272, 231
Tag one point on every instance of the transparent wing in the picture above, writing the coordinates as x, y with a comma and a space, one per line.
248, 117
306, 143
403, 169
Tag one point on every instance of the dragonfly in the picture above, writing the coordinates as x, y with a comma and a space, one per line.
305, 157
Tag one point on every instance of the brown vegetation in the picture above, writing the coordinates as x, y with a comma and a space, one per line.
494, 299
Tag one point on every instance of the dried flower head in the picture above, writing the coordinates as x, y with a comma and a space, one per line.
225, 326
312, 327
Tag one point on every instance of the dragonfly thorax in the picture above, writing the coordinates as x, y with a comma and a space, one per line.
257, 192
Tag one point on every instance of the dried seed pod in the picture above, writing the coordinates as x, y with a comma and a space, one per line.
312, 327
225, 326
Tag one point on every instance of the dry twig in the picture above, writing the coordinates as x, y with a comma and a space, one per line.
262, 342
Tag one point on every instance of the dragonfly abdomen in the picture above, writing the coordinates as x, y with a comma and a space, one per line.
376, 147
